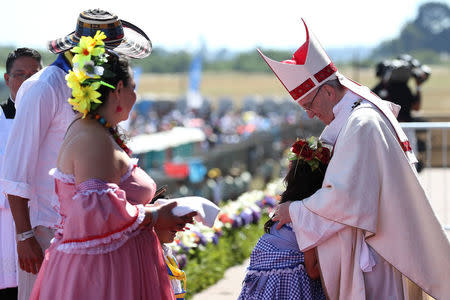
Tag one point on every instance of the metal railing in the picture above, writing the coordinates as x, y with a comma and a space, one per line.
436, 173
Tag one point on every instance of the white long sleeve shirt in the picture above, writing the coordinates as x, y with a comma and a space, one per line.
42, 117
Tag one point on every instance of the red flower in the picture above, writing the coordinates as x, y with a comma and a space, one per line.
224, 218
307, 153
298, 146
323, 154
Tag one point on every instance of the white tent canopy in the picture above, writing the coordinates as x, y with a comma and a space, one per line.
166, 139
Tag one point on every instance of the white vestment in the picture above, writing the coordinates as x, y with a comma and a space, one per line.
371, 196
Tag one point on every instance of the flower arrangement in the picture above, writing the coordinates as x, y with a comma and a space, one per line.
89, 66
311, 151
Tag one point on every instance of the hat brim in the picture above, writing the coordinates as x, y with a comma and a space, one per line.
134, 44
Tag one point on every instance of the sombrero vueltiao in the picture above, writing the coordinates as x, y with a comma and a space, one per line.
122, 37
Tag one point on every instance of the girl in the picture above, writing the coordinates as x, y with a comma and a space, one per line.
278, 269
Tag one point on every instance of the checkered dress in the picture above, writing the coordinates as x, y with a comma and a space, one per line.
276, 270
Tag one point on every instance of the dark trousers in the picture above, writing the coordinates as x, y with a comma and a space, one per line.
8, 294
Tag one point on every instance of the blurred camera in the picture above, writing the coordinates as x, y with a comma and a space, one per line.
401, 69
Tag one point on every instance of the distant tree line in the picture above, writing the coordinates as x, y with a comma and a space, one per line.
428, 34
425, 38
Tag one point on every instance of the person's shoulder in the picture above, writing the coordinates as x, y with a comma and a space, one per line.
365, 116
92, 138
92, 152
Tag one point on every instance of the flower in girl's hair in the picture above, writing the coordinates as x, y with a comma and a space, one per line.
323, 154
311, 151
298, 146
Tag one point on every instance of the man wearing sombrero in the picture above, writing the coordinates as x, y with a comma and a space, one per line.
371, 221
43, 115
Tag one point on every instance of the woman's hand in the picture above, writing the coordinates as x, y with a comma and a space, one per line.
167, 220
281, 214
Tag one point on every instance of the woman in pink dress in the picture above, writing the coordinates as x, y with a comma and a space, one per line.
106, 247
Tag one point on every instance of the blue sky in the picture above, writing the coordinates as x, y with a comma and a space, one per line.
232, 24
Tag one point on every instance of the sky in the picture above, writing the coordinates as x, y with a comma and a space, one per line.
237, 25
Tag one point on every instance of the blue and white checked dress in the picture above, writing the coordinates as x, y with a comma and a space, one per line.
277, 271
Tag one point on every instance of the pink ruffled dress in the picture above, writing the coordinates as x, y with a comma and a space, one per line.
99, 252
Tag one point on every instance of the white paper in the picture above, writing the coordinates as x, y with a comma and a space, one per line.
206, 210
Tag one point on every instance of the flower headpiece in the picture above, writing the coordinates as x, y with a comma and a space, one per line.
311, 151
89, 66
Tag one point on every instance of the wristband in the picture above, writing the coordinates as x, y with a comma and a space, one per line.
20, 237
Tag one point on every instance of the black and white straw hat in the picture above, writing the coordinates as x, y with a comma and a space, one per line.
121, 36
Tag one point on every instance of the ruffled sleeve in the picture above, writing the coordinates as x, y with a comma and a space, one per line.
99, 219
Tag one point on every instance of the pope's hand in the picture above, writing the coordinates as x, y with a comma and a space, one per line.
281, 214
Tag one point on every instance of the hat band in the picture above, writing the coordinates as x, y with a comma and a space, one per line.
113, 31
325, 72
302, 89
308, 84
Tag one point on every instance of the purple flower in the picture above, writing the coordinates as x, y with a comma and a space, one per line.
246, 217
184, 247
270, 201
201, 239
256, 216
237, 222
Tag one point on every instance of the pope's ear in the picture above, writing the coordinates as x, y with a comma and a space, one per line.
329, 90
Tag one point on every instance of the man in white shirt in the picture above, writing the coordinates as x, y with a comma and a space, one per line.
21, 64
371, 221
42, 117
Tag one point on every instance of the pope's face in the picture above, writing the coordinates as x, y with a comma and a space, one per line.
320, 104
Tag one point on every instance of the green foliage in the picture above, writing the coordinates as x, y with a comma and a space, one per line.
162, 61
429, 31
206, 267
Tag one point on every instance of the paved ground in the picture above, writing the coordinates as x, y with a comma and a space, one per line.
228, 287
435, 181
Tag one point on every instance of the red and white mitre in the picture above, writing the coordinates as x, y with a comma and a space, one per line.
309, 68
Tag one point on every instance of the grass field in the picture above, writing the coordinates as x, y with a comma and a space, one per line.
435, 92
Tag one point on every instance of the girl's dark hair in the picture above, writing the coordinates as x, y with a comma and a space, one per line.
301, 182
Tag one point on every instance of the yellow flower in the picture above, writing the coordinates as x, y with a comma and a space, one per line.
75, 79
83, 96
84, 80
99, 37
83, 51
88, 47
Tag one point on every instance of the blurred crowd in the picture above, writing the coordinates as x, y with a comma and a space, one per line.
223, 123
